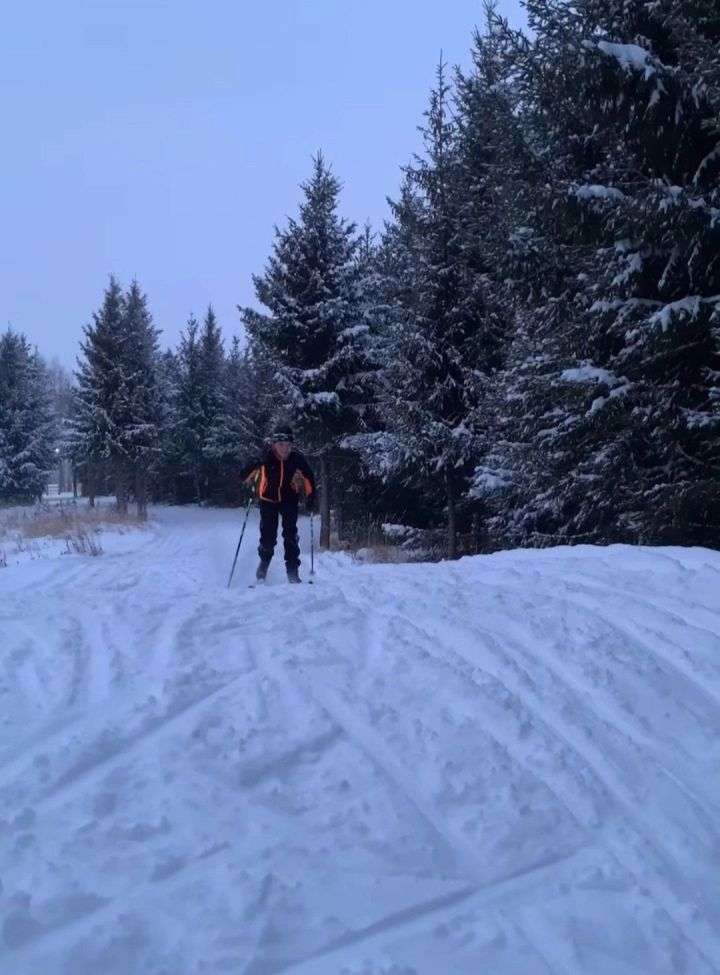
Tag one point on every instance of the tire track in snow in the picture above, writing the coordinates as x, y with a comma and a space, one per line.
254, 773
394, 773
706, 940
414, 919
539, 946
592, 695
673, 899
47, 937
105, 751
464, 855
567, 797
672, 607
588, 692
638, 634
96, 649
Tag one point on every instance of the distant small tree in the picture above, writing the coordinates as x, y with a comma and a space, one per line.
117, 407
93, 434
140, 436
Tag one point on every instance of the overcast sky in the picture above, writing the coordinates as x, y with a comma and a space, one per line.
163, 139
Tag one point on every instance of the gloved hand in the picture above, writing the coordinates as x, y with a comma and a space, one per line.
310, 504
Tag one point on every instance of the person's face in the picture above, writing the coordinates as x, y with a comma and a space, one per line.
282, 448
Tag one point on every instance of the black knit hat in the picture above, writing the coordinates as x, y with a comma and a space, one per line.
282, 434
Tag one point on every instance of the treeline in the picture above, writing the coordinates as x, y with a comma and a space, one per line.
527, 353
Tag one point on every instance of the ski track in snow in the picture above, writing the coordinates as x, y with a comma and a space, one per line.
509, 764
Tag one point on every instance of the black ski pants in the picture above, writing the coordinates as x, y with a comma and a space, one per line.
270, 515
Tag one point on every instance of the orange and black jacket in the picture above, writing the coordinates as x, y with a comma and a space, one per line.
277, 479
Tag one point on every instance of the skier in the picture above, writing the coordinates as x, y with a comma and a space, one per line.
278, 473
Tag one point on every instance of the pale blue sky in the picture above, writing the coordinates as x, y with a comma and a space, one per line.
163, 139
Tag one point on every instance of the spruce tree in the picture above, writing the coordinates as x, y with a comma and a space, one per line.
211, 379
27, 427
628, 122
140, 436
241, 420
169, 463
117, 408
61, 404
189, 408
95, 433
607, 424
309, 332
528, 258
440, 337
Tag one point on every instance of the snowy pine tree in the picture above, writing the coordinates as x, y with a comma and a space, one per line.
188, 410
211, 377
507, 121
439, 335
118, 409
141, 433
615, 420
61, 404
171, 463
311, 330
27, 426
657, 309
243, 417
94, 433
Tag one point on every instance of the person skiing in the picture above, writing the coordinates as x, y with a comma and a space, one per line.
278, 473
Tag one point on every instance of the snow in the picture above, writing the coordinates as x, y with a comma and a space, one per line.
632, 57
689, 306
593, 191
588, 373
507, 764
633, 266
20, 541
486, 480
324, 397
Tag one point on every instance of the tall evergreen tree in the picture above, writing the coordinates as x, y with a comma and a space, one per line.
95, 433
241, 420
61, 405
310, 330
140, 436
627, 123
189, 406
211, 380
531, 274
441, 339
171, 464
27, 427
117, 409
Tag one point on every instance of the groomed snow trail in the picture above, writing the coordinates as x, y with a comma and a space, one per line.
507, 765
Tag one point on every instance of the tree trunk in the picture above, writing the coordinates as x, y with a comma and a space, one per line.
91, 476
141, 489
121, 488
451, 525
476, 531
324, 502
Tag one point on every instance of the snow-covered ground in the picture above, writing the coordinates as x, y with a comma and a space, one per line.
508, 765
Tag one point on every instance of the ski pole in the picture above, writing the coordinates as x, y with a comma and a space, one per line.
237, 551
312, 547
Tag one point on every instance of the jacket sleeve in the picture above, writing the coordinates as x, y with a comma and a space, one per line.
308, 476
250, 468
